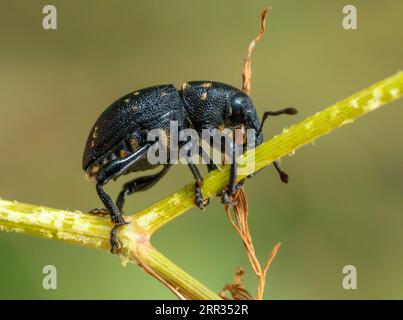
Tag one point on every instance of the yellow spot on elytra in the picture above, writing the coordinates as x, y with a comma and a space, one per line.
203, 96
94, 134
94, 169
134, 144
122, 153
136, 93
127, 100
207, 85
164, 94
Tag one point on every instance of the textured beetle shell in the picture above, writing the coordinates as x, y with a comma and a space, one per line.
134, 114
207, 102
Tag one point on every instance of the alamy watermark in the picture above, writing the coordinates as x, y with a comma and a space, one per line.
49, 20
350, 19
49, 281
350, 279
189, 146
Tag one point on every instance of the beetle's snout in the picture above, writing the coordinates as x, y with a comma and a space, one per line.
252, 123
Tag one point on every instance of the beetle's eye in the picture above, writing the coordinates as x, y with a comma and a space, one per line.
238, 104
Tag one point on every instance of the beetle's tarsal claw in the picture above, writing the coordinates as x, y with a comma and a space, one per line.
113, 240
204, 204
226, 198
199, 200
200, 203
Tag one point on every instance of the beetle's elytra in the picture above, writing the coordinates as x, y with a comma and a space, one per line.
117, 143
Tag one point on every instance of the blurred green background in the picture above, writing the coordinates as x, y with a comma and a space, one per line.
343, 204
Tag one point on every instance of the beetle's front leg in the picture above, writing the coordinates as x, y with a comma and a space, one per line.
112, 171
116, 215
233, 186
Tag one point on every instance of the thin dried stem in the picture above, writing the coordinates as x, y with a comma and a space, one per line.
247, 67
241, 209
239, 220
236, 289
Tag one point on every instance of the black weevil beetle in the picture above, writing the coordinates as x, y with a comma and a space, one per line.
117, 144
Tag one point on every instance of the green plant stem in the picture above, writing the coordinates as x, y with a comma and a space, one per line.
183, 283
93, 231
75, 227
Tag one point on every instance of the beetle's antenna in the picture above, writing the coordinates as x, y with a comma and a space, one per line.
289, 111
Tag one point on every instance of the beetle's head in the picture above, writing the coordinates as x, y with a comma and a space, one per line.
242, 111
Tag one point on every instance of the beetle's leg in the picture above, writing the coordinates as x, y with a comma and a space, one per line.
116, 215
211, 167
289, 111
210, 164
139, 184
113, 170
232, 186
199, 200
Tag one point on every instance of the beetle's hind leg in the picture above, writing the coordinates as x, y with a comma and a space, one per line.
199, 200
139, 184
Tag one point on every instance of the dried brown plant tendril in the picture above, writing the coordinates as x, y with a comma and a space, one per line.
238, 214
